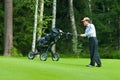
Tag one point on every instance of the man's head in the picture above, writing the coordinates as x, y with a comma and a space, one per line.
86, 21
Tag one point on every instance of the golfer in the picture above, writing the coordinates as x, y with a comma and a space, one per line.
90, 32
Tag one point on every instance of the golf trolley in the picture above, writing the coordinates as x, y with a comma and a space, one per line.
45, 44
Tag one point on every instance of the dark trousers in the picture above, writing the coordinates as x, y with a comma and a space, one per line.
94, 55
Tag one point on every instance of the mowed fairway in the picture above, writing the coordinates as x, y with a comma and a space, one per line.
64, 69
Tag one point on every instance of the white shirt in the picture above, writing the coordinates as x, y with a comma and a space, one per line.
90, 31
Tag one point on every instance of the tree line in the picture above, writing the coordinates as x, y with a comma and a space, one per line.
17, 18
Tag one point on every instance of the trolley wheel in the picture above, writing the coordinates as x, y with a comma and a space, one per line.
31, 55
43, 57
55, 57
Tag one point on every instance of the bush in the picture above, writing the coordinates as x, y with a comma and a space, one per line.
109, 53
16, 52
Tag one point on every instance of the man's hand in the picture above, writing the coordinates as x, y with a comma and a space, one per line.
82, 35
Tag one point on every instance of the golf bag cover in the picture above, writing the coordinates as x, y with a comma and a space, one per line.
48, 38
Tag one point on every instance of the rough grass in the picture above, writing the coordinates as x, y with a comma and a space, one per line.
65, 69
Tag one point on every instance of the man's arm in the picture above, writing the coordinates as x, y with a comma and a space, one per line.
89, 32
83, 35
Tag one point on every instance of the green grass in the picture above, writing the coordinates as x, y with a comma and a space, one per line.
64, 69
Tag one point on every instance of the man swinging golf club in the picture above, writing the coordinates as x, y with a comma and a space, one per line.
90, 32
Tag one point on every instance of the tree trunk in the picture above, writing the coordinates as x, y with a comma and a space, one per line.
103, 6
41, 19
109, 22
8, 31
54, 13
35, 26
74, 30
119, 36
90, 9
54, 19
